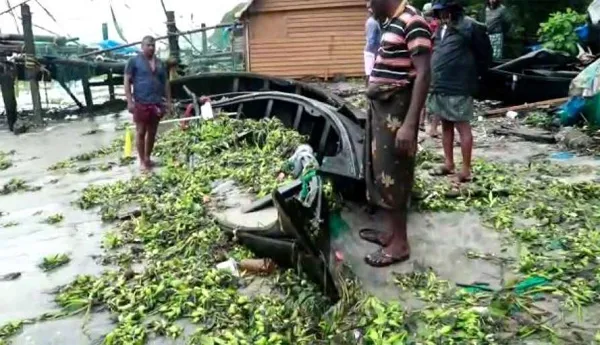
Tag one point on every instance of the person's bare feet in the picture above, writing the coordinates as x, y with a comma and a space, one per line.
433, 134
463, 177
396, 251
398, 248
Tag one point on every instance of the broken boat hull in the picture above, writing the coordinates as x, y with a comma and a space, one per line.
229, 83
534, 77
337, 140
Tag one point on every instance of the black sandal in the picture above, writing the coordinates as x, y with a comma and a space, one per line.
372, 235
381, 259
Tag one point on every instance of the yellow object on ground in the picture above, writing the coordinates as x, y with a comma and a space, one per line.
128, 147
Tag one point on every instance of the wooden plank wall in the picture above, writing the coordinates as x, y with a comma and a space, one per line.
295, 39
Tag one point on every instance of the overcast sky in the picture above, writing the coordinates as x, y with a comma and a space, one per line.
84, 18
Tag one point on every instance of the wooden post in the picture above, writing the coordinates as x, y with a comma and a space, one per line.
204, 45
232, 40
87, 94
174, 51
7, 83
104, 31
111, 85
32, 70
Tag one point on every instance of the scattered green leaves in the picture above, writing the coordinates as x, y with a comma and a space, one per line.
17, 185
54, 219
5, 161
52, 262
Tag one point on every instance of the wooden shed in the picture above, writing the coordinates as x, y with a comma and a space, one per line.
305, 38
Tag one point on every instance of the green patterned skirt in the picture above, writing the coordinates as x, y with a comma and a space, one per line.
389, 175
451, 108
497, 41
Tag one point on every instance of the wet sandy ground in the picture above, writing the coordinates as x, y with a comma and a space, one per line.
441, 240
23, 246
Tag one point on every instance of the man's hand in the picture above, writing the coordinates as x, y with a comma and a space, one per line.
131, 106
406, 143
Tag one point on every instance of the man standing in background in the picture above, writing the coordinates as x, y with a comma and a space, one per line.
148, 76
498, 24
373, 33
461, 54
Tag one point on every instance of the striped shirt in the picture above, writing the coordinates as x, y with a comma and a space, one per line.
403, 37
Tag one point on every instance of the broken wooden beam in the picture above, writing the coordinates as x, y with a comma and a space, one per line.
527, 106
66, 88
543, 137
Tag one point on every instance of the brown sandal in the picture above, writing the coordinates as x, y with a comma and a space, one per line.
372, 236
381, 259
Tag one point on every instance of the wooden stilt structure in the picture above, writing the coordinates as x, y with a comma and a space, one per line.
87, 93
174, 51
32, 66
204, 45
111, 86
7, 84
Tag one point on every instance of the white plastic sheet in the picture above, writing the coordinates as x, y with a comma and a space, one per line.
594, 11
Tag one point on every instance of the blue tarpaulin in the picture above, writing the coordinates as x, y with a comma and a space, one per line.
107, 44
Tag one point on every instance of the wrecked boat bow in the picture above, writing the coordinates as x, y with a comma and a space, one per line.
300, 237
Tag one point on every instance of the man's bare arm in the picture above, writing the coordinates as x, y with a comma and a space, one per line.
420, 89
127, 86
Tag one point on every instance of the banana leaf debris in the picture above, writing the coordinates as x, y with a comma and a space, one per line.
245, 235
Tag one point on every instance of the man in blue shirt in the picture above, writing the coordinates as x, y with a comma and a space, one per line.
373, 33
148, 76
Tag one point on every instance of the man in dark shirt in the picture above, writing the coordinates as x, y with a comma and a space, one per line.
461, 53
148, 76
397, 90
498, 24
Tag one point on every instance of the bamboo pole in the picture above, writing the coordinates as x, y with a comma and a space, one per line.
179, 33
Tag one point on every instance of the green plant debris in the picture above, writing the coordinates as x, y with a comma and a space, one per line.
17, 185
54, 219
10, 224
113, 148
52, 262
180, 244
538, 119
8, 330
5, 161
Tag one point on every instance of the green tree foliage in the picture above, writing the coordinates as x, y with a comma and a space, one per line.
526, 15
558, 33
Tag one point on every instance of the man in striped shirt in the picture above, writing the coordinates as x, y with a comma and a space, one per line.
397, 90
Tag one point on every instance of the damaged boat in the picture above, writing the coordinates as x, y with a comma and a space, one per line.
534, 77
300, 236
230, 84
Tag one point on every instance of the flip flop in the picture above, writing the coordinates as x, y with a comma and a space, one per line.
381, 259
441, 171
371, 235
